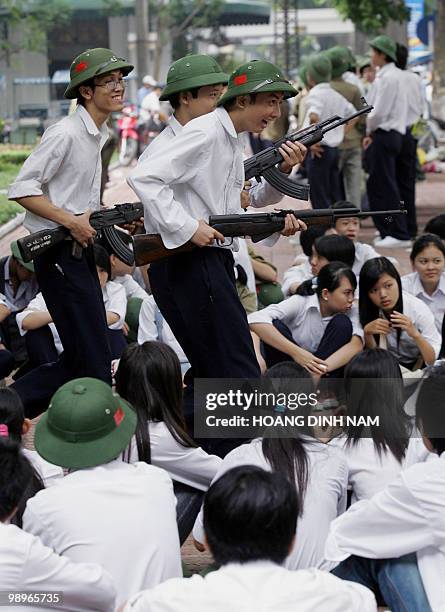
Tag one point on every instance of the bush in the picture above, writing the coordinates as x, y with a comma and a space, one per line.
13, 157
8, 210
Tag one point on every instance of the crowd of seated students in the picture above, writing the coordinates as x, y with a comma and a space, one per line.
337, 520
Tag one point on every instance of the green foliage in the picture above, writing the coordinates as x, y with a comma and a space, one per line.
8, 172
12, 157
35, 18
8, 210
370, 16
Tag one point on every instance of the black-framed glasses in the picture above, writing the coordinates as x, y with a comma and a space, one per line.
113, 84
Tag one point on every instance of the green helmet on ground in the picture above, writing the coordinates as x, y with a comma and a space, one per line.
93, 63
192, 71
340, 60
385, 45
257, 76
86, 424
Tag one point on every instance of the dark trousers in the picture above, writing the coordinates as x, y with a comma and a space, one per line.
338, 332
11, 338
382, 187
324, 178
406, 179
73, 296
196, 294
7, 363
188, 505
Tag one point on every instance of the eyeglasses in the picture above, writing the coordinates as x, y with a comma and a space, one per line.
113, 84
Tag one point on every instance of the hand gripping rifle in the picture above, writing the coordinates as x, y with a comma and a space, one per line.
102, 220
264, 163
149, 248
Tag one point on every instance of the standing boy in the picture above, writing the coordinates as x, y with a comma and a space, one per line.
59, 184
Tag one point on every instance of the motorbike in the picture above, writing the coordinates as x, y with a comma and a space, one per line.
127, 125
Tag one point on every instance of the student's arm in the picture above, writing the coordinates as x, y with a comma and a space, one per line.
425, 340
264, 271
84, 586
36, 320
344, 354
4, 311
259, 357
147, 329
115, 305
378, 326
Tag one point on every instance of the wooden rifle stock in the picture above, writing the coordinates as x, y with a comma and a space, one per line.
149, 248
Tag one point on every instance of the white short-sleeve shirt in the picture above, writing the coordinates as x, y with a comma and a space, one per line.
412, 284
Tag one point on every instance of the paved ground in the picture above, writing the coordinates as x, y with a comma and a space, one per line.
430, 202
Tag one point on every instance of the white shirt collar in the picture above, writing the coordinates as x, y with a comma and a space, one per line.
226, 121
175, 125
419, 288
386, 68
320, 86
89, 123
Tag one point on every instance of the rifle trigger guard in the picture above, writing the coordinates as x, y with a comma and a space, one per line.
224, 243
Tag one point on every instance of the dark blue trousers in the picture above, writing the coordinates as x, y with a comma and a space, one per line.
406, 179
324, 178
338, 332
73, 296
196, 294
382, 186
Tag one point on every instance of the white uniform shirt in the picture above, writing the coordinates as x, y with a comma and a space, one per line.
363, 252
390, 101
25, 292
416, 100
435, 302
302, 315
408, 516
38, 304
48, 472
325, 102
242, 258
296, 274
423, 320
132, 288
120, 515
256, 586
369, 472
324, 500
191, 466
27, 565
352, 78
115, 301
155, 327
66, 167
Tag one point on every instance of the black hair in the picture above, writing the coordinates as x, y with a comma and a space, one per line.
16, 474
149, 377
175, 100
102, 259
436, 225
80, 98
308, 237
250, 515
374, 388
402, 56
424, 241
370, 273
230, 104
341, 204
336, 248
333, 272
12, 413
362, 68
430, 413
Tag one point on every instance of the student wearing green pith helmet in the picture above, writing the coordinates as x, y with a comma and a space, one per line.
181, 183
59, 184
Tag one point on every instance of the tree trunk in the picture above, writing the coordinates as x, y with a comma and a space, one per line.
439, 63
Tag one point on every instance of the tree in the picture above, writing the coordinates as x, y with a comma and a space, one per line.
33, 19
439, 62
371, 16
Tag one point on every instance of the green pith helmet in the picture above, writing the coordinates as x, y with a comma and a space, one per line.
92, 63
385, 45
16, 253
257, 76
86, 424
192, 71
319, 68
340, 60
363, 61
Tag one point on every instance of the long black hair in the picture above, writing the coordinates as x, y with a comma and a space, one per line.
329, 278
370, 274
12, 413
374, 388
425, 241
285, 455
149, 377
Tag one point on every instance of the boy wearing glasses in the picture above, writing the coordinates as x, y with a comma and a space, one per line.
59, 184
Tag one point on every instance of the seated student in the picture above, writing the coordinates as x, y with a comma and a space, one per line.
376, 454
406, 518
7, 361
27, 565
298, 273
320, 332
153, 326
18, 286
245, 277
115, 302
394, 319
250, 517
266, 280
427, 282
436, 225
114, 513
350, 227
318, 472
149, 377
13, 426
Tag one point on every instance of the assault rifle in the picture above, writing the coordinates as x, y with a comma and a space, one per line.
264, 163
149, 248
102, 220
